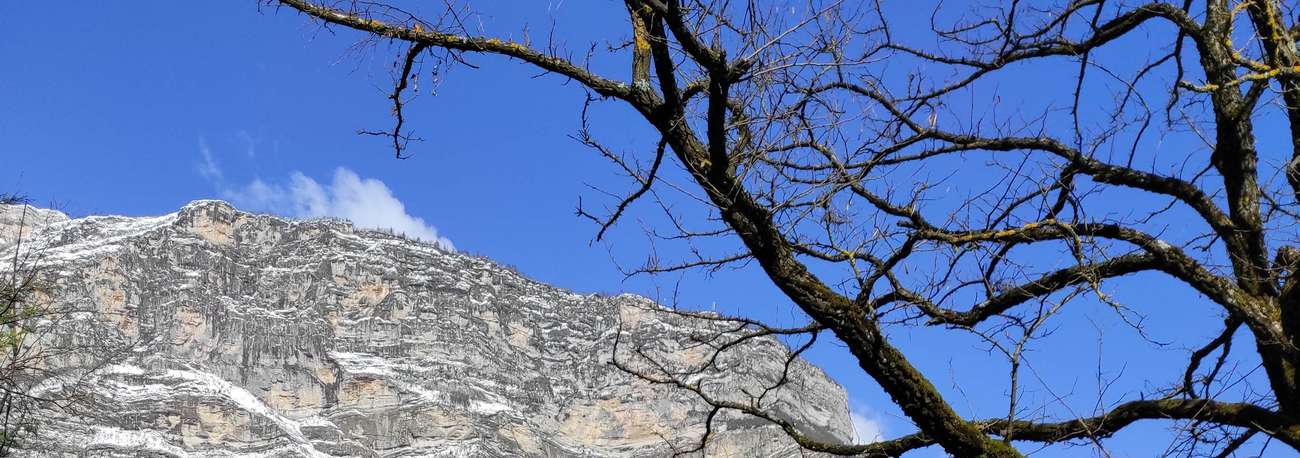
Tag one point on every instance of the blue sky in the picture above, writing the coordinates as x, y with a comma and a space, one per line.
136, 110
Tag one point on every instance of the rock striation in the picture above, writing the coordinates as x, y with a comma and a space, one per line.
214, 332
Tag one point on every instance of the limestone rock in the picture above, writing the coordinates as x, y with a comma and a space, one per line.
224, 333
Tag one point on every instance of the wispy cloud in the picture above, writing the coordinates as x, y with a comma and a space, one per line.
250, 143
208, 168
367, 202
867, 427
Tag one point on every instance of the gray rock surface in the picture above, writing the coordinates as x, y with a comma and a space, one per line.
224, 333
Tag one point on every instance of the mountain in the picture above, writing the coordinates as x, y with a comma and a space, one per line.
215, 332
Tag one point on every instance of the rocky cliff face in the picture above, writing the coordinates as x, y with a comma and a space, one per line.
214, 332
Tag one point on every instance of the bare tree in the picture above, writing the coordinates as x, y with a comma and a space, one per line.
22, 359
813, 131
46, 357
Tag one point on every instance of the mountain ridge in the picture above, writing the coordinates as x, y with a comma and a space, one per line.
253, 335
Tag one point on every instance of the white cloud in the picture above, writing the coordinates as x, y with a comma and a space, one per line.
367, 202
208, 169
867, 427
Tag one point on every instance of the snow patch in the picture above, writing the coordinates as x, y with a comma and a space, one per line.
134, 439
